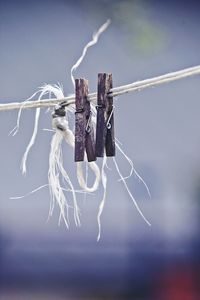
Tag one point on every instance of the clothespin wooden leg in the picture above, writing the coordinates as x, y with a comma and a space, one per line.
81, 86
110, 135
84, 132
89, 132
105, 117
102, 90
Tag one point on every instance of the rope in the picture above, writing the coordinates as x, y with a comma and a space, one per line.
117, 91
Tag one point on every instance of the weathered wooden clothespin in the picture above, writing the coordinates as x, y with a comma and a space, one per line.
105, 138
84, 133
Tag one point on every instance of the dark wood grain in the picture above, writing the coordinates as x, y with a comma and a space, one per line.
89, 134
104, 136
110, 134
84, 132
81, 88
101, 114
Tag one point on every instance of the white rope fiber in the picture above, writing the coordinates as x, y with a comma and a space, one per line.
122, 178
102, 203
61, 125
91, 43
130, 194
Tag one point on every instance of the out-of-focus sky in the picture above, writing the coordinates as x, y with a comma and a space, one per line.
159, 130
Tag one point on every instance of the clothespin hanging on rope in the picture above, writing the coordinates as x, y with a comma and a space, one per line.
84, 133
105, 138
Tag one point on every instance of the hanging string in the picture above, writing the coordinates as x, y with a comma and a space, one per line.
91, 43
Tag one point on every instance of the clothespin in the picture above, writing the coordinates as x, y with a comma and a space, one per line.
105, 138
84, 133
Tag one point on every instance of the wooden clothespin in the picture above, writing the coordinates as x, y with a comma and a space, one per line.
105, 138
84, 133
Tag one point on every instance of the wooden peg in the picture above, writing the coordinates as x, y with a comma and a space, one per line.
105, 117
84, 132
102, 91
81, 87
89, 133
110, 134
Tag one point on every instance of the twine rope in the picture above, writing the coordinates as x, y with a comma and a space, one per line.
114, 92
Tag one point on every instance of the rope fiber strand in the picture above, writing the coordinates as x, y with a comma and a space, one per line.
117, 91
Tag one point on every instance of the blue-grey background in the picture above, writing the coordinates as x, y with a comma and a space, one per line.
159, 129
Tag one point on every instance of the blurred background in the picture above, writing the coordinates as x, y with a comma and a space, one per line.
159, 130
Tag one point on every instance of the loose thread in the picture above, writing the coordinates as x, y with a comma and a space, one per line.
91, 43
